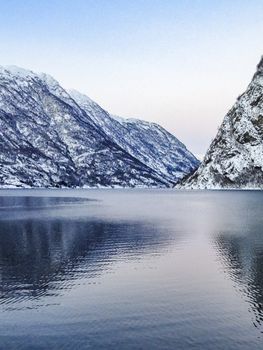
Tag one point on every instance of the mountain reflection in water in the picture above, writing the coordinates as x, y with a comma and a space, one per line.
44, 257
131, 269
242, 257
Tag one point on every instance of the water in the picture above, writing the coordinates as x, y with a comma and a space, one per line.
131, 269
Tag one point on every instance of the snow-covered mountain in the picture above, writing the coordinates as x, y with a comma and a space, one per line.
235, 157
52, 138
147, 142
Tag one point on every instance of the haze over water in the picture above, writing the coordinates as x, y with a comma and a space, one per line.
131, 269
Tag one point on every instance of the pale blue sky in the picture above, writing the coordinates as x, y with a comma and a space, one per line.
179, 63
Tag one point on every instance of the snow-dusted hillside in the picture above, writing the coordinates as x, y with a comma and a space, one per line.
235, 157
147, 142
48, 139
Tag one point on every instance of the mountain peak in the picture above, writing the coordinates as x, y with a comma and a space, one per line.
234, 158
26, 73
17, 71
260, 65
259, 71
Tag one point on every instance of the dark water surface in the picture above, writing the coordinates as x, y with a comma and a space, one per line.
131, 269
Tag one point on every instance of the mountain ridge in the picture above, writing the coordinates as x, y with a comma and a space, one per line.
48, 139
234, 159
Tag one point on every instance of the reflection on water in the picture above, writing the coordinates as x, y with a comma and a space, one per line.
243, 259
44, 257
131, 270
40, 257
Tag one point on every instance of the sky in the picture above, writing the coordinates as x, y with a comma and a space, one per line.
181, 64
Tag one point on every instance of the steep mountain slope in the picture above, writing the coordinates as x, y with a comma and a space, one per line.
235, 157
47, 139
148, 142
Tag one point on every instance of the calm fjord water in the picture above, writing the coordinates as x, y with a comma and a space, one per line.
131, 269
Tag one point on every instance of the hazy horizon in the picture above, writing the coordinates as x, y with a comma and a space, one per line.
180, 64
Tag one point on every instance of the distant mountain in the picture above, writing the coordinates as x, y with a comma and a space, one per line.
235, 157
148, 142
51, 138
